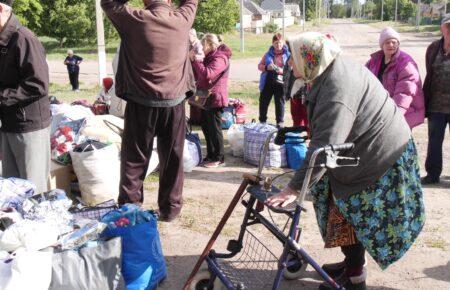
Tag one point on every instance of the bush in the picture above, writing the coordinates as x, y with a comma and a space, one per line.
271, 28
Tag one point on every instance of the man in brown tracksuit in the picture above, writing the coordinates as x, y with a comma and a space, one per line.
153, 76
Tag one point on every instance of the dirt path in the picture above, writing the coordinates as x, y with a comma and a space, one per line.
207, 193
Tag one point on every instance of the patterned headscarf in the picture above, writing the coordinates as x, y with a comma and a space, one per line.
312, 53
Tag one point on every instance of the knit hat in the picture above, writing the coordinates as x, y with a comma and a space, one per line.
446, 19
7, 2
388, 33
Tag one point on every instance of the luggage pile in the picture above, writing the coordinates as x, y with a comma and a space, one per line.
48, 242
88, 142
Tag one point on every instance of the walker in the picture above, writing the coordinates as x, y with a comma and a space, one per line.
233, 270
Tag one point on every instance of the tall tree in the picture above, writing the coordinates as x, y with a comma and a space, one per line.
217, 16
29, 12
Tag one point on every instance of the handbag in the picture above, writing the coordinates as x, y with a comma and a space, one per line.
201, 97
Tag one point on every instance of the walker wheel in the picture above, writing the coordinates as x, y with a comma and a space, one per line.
201, 282
295, 271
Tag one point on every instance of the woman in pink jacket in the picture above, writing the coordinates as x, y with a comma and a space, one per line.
398, 73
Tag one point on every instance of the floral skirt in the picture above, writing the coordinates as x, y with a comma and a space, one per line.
387, 216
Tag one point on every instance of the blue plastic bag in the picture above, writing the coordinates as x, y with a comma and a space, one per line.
143, 264
295, 150
228, 117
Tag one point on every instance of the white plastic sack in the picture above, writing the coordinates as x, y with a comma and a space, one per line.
98, 174
66, 112
117, 106
96, 128
236, 139
190, 156
32, 235
26, 270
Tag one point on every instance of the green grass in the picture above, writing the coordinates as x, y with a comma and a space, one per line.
436, 242
65, 94
247, 92
86, 51
399, 26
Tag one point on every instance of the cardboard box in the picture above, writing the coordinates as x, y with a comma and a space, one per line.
60, 176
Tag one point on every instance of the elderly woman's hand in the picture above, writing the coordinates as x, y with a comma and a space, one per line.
285, 197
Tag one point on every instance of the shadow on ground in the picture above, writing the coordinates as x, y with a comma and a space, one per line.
179, 268
441, 273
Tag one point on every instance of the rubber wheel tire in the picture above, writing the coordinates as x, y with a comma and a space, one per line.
201, 281
296, 271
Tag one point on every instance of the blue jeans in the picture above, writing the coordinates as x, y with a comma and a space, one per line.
437, 123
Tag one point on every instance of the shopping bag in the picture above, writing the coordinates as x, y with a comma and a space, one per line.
143, 264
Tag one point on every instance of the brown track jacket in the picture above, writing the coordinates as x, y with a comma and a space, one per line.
154, 68
24, 78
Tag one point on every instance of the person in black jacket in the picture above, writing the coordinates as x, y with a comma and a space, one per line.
72, 62
24, 103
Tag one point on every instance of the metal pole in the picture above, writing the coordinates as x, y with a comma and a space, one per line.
382, 10
284, 17
100, 42
396, 9
242, 26
304, 15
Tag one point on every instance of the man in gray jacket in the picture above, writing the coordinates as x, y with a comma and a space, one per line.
154, 76
24, 102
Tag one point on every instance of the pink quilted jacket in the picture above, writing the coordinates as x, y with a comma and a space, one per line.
402, 80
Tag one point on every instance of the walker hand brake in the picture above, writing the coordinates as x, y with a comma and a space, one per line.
334, 161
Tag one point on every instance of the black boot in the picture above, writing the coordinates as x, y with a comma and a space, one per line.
348, 282
334, 270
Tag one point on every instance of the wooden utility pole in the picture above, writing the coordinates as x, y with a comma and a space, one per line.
100, 42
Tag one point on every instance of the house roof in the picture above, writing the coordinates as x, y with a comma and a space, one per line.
272, 5
247, 12
254, 8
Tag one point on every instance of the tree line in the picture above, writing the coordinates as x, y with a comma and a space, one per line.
72, 22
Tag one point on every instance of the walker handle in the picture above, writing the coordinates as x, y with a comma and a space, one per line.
342, 147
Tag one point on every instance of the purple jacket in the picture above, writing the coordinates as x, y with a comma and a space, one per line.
209, 70
402, 80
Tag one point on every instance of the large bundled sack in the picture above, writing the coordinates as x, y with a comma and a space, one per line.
192, 154
236, 139
26, 269
255, 135
104, 128
93, 267
97, 167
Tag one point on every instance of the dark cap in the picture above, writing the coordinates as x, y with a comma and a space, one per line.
7, 2
446, 19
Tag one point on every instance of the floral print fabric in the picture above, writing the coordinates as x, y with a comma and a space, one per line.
312, 53
387, 216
